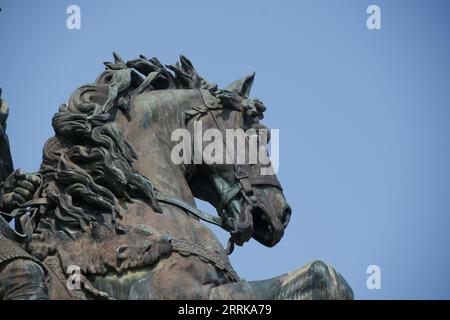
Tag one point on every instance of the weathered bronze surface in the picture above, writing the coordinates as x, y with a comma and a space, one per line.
109, 200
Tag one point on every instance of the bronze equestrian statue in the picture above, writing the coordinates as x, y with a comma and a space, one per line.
109, 210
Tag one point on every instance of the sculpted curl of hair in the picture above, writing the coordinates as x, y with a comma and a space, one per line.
88, 165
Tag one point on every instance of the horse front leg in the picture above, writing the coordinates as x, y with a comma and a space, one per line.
315, 281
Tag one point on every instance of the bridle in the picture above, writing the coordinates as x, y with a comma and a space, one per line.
244, 185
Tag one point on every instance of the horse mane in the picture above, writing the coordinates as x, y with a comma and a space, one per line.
87, 166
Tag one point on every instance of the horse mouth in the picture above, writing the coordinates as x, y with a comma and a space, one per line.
265, 231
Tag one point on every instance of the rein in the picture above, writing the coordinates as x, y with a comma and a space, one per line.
186, 206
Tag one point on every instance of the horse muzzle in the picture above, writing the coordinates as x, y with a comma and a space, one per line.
268, 228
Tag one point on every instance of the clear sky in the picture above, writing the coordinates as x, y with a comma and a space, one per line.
364, 115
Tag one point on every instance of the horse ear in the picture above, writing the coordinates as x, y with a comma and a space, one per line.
242, 86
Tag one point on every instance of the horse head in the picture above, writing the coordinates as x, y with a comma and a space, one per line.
113, 154
246, 191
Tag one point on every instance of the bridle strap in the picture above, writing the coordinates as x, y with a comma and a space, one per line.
270, 181
187, 207
239, 171
226, 198
244, 182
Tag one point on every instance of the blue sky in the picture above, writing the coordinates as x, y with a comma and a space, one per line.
364, 116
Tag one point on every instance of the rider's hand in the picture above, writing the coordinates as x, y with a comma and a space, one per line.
19, 188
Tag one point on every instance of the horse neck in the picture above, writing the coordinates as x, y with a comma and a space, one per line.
153, 117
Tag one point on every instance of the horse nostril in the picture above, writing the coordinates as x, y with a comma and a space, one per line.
286, 216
